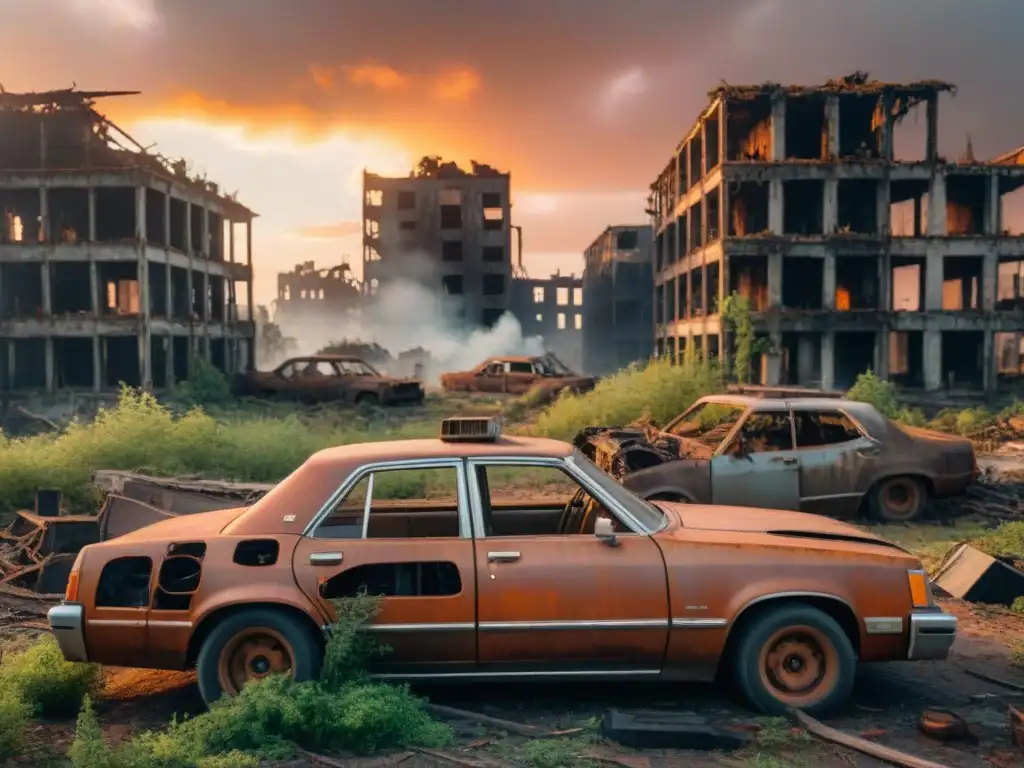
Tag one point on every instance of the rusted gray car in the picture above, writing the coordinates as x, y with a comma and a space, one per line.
828, 456
324, 378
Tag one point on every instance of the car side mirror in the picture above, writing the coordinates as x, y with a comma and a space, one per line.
604, 530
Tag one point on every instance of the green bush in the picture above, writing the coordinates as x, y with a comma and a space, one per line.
14, 717
45, 682
877, 392
659, 390
207, 385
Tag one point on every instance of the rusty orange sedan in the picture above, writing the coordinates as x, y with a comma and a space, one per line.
481, 580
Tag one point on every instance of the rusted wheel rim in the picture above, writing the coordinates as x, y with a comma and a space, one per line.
252, 654
799, 665
900, 498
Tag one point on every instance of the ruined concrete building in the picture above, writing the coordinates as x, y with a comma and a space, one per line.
115, 265
618, 288
446, 228
308, 292
553, 309
851, 258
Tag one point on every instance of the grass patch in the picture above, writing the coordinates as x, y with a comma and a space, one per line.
551, 753
47, 684
659, 391
14, 719
1006, 541
932, 542
779, 745
342, 711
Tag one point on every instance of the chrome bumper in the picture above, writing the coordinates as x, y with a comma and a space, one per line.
932, 634
67, 622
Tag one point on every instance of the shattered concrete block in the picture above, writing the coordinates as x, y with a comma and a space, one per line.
969, 574
121, 515
668, 730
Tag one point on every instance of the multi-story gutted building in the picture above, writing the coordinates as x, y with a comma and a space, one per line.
553, 310
308, 292
617, 298
851, 259
115, 265
446, 228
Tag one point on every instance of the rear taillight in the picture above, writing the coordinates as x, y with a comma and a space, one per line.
71, 593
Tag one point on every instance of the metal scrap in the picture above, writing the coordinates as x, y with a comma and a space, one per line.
37, 552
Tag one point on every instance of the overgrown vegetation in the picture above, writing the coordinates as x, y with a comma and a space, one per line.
746, 345
343, 711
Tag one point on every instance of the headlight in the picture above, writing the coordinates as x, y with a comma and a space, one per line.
920, 589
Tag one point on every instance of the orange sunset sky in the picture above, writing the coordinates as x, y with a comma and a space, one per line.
286, 101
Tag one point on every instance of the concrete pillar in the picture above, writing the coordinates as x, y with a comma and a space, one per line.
11, 360
723, 131
44, 215
204, 228
776, 209
248, 287
169, 289
168, 348
51, 381
775, 279
703, 148
933, 277
993, 207
805, 360
94, 288
989, 375
189, 245
205, 283
989, 279
832, 125
778, 127
881, 366
145, 309
932, 343
97, 364
689, 166
828, 360
167, 219
44, 277
932, 131
886, 149
91, 196
937, 205
830, 207
883, 208
828, 280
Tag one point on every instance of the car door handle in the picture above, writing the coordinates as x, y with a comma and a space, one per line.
502, 557
869, 452
788, 461
326, 558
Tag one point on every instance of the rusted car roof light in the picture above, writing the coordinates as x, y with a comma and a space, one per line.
470, 429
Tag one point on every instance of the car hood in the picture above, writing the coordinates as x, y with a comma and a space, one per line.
182, 527
769, 521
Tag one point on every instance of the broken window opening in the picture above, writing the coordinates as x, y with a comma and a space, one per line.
406, 200
69, 215
627, 240
493, 285
1010, 218
494, 219
560, 321
156, 226
179, 295
451, 217
577, 297
21, 290
961, 283
906, 358
216, 251
125, 583
713, 270
539, 318
451, 250
490, 317
858, 356
659, 304
452, 284
909, 137
806, 128
802, 282
908, 284
962, 355
908, 208
158, 292
493, 254
858, 206
711, 132
1008, 349
371, 228
696, 222
69, 288
538, 294
115, 214
856, 283
414, 579
801, 359
713, 199
21, 216
179, 231
748, 276
696, 297
694, 171
748, 208
670, 301
73, 363
562, 296
121, 360
374, 198
856, 131
803, 207
749, 131
1010, 285
196, 220
965, 205
577, 321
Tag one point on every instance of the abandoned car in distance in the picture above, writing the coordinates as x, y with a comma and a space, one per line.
328, 378
480, 584
822, 455
517, 375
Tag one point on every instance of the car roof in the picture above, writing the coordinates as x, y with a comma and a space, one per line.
512, 359
434, 448
771, 403
329, 358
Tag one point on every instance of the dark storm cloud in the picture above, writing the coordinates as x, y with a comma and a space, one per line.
542, 107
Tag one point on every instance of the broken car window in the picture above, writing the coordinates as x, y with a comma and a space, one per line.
816, 428
708, 422
520, 367
767, 431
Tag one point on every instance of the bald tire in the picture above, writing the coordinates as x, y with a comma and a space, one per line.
754, 634
307, 649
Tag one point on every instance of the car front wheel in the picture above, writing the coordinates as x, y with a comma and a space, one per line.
794, 656
252, 644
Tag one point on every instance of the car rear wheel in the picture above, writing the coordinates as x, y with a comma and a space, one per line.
794, 656
251, 645
898, 499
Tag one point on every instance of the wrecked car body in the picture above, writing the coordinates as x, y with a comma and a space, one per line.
827, 456
517, 375
478, 583
329, 378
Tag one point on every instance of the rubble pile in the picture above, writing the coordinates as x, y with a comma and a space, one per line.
998, 496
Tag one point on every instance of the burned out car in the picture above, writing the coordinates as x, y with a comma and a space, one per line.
828, 456
518, 374
325, 378
479, 583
